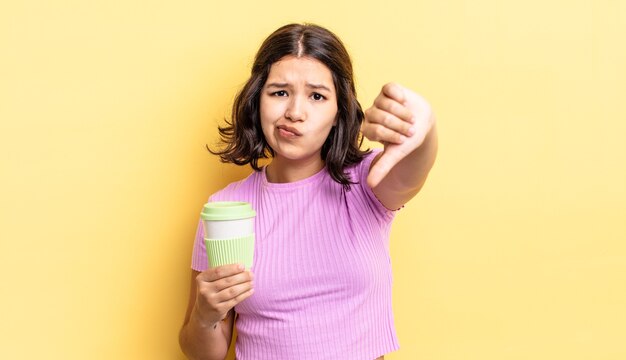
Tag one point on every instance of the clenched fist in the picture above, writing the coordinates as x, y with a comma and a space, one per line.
399, 119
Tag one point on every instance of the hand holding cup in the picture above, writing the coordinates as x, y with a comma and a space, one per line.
220, 289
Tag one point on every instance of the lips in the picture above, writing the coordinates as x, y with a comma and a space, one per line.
289, 130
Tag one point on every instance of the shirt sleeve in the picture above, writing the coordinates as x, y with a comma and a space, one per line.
362, 171
199, 261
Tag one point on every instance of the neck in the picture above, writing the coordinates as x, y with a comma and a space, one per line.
282, 170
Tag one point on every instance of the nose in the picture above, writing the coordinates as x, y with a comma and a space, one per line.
295, 109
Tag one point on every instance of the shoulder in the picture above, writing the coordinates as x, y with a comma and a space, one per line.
358, 171
238, 190
361, 191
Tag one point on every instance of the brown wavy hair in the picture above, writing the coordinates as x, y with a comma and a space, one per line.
242, 137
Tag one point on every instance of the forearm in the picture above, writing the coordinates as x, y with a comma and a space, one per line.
409, 174
200, 341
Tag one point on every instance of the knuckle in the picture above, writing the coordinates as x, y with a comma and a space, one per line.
206, 295
202, 293
240, 298
388, 120
203, 277
230, 304
202, 289
379, 132
395, 108
378, 102
390, 87
207, 291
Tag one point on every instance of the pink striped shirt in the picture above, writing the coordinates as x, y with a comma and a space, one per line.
322, 269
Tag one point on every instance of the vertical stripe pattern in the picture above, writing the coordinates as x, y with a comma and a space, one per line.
322, 269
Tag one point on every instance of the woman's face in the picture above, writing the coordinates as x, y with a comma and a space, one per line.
298, 107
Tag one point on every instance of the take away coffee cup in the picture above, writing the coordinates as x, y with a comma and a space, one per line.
228, 232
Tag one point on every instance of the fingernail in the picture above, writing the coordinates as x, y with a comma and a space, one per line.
411, 131
240, 267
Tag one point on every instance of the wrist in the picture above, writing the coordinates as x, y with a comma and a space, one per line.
203, 321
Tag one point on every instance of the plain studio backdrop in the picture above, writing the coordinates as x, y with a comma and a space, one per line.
514, 249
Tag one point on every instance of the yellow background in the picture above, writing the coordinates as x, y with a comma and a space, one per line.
515, 249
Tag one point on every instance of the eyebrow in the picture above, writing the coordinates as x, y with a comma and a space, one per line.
309, 85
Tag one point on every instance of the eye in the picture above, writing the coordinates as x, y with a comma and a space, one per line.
280, 93
318, 97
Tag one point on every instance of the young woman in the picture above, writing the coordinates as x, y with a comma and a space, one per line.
320, 285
